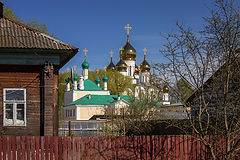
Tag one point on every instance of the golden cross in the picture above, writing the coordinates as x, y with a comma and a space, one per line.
128, 28
111, 53
105, 68
145, 51
67, 70
121, 49
74, 68
85, 50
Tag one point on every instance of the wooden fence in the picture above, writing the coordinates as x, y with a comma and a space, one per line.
168, 147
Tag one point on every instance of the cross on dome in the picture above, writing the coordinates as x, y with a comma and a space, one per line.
85, 50
111, 53
145, 51
128, 28
121, 49
67, 70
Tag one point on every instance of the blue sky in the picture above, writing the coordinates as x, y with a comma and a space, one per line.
98, 25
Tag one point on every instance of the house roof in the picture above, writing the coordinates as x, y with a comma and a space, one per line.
19, 38
99, 100
235, 62
17, 35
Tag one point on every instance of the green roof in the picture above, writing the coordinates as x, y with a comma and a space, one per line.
91, 86
99, 100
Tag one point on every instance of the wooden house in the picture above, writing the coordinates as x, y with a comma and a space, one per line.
29, 65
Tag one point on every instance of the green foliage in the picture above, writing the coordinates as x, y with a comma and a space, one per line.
9, 13
40, 27
117, 83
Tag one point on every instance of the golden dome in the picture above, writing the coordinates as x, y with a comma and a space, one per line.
111, 66
136, 70
165, 88
128, 53
121, 66
144, 66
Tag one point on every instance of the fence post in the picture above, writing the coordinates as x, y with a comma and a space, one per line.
69, 128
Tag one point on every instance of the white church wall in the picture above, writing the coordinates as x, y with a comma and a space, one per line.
80, 94
130, 67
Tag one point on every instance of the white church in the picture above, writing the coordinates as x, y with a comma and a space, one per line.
127, 63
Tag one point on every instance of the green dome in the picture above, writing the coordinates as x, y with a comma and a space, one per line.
75, 77
97, 80
85, 65
105, 78
67, 79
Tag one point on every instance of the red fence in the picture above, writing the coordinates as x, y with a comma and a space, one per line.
99, 147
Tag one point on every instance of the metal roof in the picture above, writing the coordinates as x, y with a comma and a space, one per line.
17, 35
99, 100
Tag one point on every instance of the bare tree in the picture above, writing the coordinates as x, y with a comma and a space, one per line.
209, 61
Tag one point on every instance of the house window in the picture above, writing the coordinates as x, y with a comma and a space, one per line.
14, 107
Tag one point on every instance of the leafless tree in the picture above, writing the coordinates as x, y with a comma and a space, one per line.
209, 61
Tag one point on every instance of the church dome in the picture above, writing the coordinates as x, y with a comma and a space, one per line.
97, 80
75, 77
105, 78
136, 70
85, 65
111, 66
165, 88
67, 79
128, 53
121, 66
144, 66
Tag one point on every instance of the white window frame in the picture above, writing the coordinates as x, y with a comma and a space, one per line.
14, 102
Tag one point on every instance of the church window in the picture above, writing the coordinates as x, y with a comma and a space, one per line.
130, 70
14, 107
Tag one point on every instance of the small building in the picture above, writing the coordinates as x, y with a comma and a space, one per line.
86, 100
90, 107
29, 65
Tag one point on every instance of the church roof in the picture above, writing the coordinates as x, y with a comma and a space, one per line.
85, 64
144, 66
111, 66
129, 53
91, 86
99, 100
